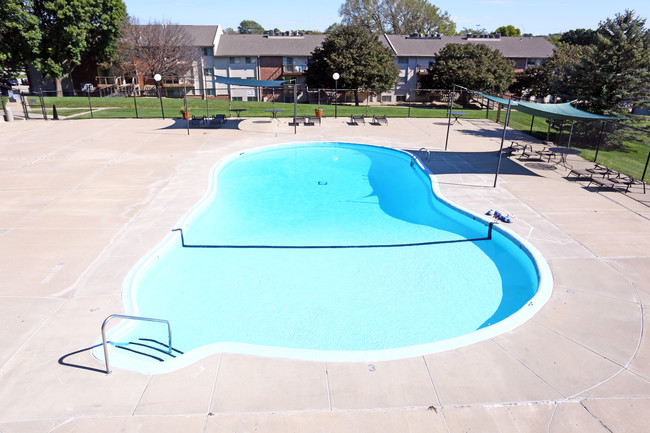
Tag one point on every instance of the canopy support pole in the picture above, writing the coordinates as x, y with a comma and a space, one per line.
645, 169
570, 134
229, 102
295, 106
532, 122
451, 102
600, 140
503, 139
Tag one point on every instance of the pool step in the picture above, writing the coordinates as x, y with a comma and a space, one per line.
150, 348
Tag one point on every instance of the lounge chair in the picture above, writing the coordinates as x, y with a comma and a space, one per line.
628, 181
546, 151
218, 120
580, 173
196, 120
354, 120
297, 120
312, 120
602, 183
528, 153
378, 120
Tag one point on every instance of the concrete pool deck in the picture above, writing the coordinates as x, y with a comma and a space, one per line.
84, 200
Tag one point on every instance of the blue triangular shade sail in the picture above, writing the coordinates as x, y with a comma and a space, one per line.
564, 111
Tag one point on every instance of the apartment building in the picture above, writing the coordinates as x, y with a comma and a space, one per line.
262, 57
285, 56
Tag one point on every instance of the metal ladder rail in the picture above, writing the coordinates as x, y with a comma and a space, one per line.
144, 319
427, 151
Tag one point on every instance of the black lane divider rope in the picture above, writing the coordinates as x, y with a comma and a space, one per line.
306, 247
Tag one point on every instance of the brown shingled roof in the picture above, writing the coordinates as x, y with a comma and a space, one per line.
511, 47
203, 35
262, 45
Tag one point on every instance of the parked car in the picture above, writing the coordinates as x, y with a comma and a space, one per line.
25, 81
13, 81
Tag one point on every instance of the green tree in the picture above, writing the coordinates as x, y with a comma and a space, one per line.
74, 30
332, 28
467, 31
397, 16
579, 37
508, 31
358, 56
474, 66
19, 36
616, 72
553, 77
249, 26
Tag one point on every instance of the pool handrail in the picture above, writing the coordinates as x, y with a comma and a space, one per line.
144, 319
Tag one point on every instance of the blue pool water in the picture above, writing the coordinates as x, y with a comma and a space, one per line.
325, 248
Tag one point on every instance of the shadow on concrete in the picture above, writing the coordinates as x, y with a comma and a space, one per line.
182, 124
441, 162
62, 360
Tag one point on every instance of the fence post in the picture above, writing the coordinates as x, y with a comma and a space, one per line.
43, 110
408, 94
91, 106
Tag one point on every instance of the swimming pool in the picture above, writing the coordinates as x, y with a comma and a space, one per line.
328, 251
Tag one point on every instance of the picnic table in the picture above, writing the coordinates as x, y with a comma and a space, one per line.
238, 111
563, 152
457, 115
274, 112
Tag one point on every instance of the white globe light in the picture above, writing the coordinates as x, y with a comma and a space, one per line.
157, 77
336, 76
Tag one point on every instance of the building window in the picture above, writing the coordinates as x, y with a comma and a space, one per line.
249, 60
209, 92
207, 51
400, 98
208, 72
252, 98
237, 98
235, 60
402, 60
530, 63
385, 98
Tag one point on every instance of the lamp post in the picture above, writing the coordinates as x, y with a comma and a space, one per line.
157, 78
336, 77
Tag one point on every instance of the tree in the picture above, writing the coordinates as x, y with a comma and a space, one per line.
553, 77
332, 28
474, 66
397, 16
249, 26
73, 30
467, 31
508, 31
156, 48
358, 56
19, 36
616, 72
578, 37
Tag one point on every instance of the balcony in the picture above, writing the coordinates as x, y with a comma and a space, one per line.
178, 82
293, 69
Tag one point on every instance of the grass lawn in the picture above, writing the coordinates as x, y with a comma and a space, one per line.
630, 158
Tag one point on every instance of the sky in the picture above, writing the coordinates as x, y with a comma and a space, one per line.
530, 16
